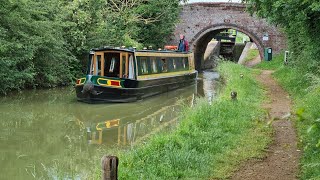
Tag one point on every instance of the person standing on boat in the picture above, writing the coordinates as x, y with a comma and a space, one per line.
183, 44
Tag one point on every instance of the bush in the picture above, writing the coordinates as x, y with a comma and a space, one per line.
45, 44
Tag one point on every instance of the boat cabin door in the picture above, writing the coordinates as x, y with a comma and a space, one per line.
97, 66
113, 64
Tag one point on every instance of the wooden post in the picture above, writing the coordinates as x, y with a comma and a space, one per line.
109, 167
125, 135
234, 95
119, 135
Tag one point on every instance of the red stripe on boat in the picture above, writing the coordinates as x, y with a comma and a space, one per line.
115, 83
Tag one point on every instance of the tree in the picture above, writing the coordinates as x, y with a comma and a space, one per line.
32, 48
45, 43
160, 18
301, 23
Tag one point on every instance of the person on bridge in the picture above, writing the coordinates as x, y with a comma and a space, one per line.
183, 44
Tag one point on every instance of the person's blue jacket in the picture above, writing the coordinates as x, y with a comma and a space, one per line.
183, 45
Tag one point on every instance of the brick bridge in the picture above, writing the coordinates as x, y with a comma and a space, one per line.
200, 22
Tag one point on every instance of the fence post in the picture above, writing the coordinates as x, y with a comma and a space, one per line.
109, 167
233, 95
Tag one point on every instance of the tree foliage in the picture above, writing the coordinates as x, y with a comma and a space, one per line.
45, 43
300, 20
31, 45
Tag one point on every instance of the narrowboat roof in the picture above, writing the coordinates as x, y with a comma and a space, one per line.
113, 49
132, 50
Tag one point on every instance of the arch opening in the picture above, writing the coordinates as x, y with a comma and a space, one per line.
200, 41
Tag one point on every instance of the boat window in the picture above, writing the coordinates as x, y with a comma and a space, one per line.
131, 67
113, 61
178, 63
124, 62
174, 65
164, 65
112, 64
154, 65
185, 63
90, 68
144, 65
170, 64
98, 65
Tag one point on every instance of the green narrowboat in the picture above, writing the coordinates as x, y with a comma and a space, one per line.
127, 75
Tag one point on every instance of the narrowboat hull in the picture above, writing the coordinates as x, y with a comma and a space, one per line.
139, 89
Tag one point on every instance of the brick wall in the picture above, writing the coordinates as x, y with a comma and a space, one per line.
199, 22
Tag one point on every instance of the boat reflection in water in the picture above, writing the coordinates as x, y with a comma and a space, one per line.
136, 121
130, 123
209, 84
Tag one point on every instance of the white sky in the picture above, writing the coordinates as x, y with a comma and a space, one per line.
191, 1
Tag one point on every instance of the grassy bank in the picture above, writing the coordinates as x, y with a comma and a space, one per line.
275, 63
210, 141
305, 91
252, 53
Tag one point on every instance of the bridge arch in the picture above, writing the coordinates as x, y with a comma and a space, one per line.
200, 22
200, 41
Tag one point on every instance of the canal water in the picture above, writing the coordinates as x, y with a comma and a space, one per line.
47, 134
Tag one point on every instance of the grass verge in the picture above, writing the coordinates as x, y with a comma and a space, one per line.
305, 92
211, 140
275, 63
252, 53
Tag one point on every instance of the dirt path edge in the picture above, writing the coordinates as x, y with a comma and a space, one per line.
282, 159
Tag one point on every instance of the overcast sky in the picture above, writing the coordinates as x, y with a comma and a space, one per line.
191, 1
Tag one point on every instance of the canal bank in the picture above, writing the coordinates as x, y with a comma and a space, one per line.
210, 140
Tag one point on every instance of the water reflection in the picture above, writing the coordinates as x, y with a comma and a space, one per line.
127, 124
136, 126
208, 84
47, 134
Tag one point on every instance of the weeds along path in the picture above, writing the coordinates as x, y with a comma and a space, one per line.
281, 161
253, 62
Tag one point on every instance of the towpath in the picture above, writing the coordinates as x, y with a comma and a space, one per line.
281, 160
